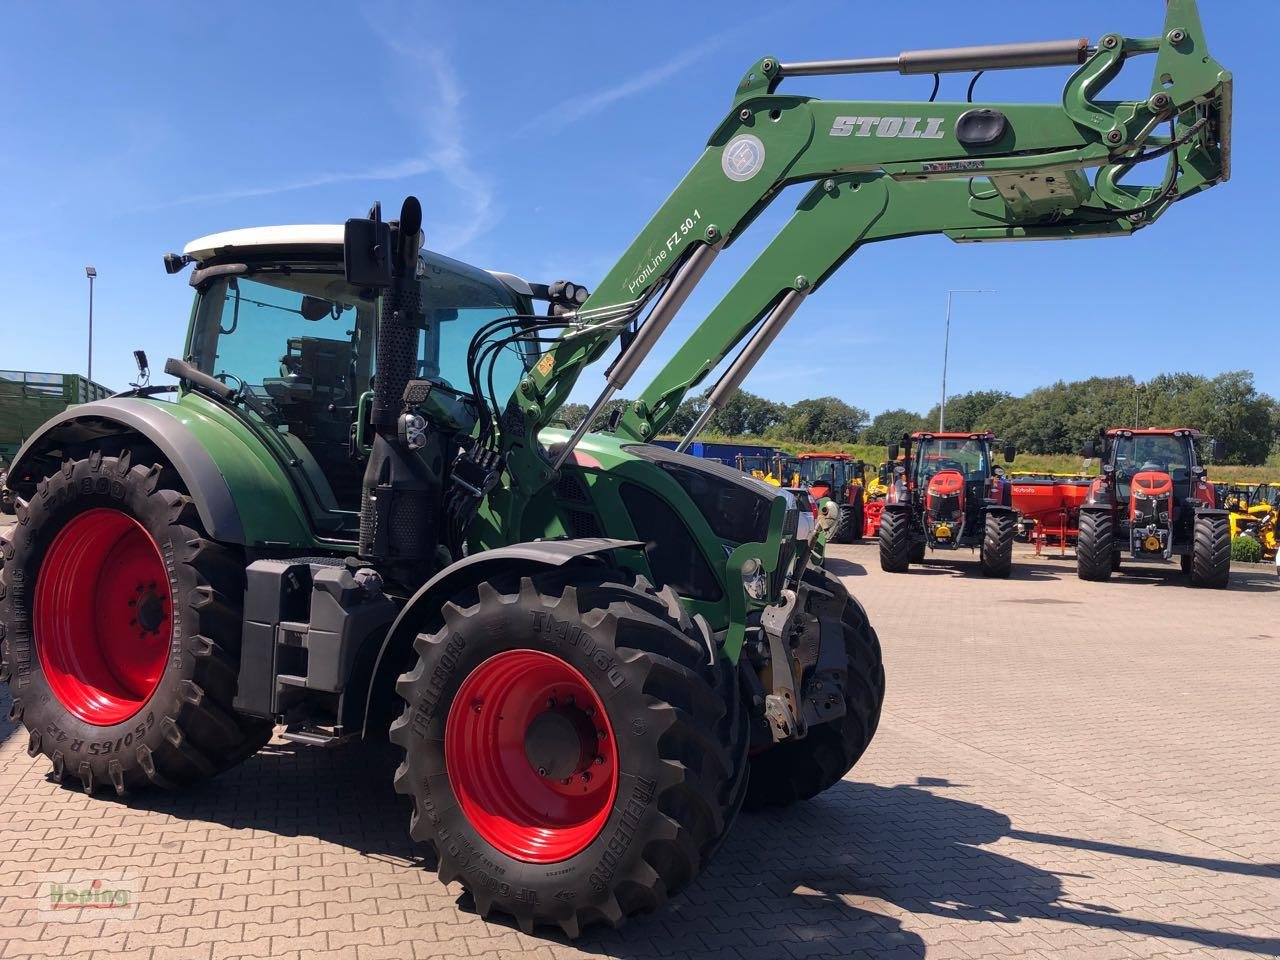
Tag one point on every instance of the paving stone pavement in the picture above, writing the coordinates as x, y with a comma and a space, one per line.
1063, 770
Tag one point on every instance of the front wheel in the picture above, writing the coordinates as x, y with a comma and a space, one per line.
996, 555
1211, 552
1095, 545
121, 626
569, 752
895, 541
845, 526
800, 769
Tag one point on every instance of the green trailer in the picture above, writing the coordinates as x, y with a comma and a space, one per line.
28, 400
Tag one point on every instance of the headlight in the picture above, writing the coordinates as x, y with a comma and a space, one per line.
754, 581
1138, 494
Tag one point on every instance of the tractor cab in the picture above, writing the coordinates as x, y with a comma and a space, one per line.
276, 320
830, 474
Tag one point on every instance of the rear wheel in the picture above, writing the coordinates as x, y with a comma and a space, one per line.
800, 769
895, 541
1095, 545
996, 555
569, 752
1211, 552
121, 628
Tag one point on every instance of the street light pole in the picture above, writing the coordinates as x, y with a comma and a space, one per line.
91, 273
946, 349
1136, 387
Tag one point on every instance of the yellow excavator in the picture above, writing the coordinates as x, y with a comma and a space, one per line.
1254, 515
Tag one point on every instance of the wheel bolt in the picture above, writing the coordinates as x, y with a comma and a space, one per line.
569, 700
476, 705
565, 781
590, 711
586, 776
599, 761
599, 734
551, 702
542, 771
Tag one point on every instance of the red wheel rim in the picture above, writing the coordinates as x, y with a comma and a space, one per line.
103, 616
531, 756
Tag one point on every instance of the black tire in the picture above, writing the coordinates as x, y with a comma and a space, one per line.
842, 532
895, 541
859, 522
801, 769
1211, 552
996, 555
1095, 545
682, 763
186, 730
918, 547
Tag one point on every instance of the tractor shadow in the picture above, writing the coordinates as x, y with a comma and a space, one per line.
1255, 578
831, 877
7, 727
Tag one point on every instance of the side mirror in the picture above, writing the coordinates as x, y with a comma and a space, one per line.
366, 252
1009, 453
140, 358
893, 452
1089, 450
1218, 450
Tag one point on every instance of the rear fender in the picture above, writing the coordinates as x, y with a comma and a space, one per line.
118, 419
241, 495
425, 605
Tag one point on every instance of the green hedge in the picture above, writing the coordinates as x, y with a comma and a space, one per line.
1246, 550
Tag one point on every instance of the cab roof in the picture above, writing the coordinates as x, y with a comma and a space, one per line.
1154, 432
299, 234
930, 435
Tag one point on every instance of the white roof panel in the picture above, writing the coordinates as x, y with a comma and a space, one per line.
301, 233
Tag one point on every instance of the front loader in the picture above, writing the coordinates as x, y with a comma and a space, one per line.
1152, 501
948, 493
354, 518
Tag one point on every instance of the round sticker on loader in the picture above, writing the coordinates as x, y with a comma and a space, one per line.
743, 157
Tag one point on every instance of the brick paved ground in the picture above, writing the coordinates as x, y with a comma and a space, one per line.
1063, 770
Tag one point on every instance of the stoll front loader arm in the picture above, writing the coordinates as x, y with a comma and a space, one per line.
884, 169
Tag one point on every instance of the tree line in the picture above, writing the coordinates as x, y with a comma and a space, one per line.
1053, 419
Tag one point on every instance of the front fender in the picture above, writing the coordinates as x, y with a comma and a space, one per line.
433, 594
242, 495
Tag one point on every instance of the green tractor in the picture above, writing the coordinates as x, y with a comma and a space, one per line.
353, 517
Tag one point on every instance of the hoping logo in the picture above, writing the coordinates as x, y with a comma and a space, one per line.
743, 157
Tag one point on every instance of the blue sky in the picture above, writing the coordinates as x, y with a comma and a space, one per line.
540, 137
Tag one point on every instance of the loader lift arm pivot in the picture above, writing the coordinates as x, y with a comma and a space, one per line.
1033, 156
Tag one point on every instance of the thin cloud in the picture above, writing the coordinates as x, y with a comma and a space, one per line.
570, 111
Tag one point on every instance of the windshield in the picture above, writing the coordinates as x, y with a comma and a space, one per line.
1163, 453
751, 463
823, 470
966, 455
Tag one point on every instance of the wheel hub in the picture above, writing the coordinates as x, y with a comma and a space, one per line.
102, 618
531, 756
560, 742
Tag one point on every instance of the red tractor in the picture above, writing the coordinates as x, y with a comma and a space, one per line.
838, 477
947, 493
1152, 500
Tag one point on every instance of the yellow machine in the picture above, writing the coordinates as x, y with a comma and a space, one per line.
1254, 514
